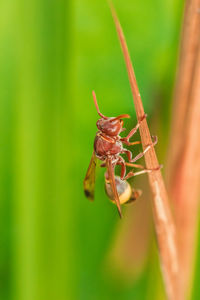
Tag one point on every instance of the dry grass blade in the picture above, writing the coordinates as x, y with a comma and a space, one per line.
184, 156
162, 215
188, 53
185, 188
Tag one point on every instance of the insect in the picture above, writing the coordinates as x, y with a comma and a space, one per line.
108, 147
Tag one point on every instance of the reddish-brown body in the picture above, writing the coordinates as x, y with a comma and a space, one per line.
103, 148
108, 147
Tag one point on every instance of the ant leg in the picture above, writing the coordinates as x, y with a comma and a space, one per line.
129, 143
131, 173
122, 163
135, 166
141, 167
141, 154
147, 148
133, 131
128, 153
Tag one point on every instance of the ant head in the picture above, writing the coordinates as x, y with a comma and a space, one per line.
109, 126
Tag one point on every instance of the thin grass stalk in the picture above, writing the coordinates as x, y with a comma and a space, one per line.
184, 160
185, 188
188, 52
163, 220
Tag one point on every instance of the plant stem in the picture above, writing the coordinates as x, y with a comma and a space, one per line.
184, 155
164, 224
185, 188
189, 48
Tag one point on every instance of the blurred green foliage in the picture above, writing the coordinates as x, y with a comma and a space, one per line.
52, 54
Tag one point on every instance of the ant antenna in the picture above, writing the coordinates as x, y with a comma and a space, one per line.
120, 117
95, 102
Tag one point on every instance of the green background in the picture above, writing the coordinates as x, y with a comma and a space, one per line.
54, 243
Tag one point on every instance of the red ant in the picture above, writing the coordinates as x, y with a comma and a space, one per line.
108, 147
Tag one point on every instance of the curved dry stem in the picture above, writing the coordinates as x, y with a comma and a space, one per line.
164, 224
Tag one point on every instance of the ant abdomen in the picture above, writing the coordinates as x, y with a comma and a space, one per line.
124, 190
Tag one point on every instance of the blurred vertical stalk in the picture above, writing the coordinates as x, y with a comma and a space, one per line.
188, 53
184, 156
7, 96
43, 241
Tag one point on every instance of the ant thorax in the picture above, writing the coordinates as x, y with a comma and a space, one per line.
104, 146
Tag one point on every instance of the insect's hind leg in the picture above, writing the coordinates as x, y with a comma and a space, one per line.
134, 165
132, 174
122, 163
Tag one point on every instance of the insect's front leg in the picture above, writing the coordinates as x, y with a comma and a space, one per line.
132, 132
